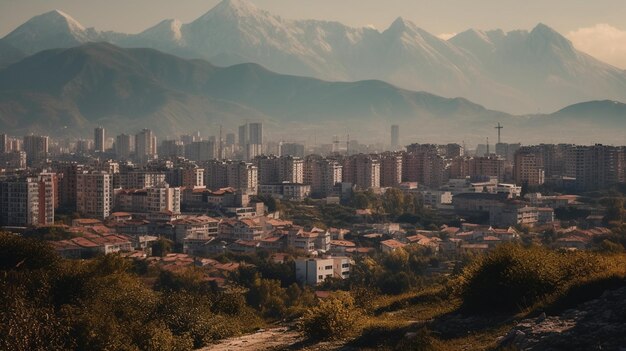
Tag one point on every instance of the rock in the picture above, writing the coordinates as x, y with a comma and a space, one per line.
594, 325
410, 335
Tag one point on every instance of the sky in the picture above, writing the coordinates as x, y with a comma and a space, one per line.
597, 27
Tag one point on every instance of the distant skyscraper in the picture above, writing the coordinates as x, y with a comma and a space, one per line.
243, 136
99, 137
230, 139
122, 146
395, 136
145, 145
291, 149
4, 143
251, 140
256, 133
83, 146
201, 151
36, 148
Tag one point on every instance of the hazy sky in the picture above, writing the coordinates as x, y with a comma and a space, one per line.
597, 27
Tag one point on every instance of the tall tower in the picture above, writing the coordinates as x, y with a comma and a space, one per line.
256, 133
122, 146
145, 145
395, 136
4, 143
499, 128
98, 137
36, 148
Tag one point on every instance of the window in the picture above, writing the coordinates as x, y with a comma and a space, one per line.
328, 267
320, 277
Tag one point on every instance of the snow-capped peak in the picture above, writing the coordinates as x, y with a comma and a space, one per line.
543, 36
52, 29
169, 28
57, 18
233, 8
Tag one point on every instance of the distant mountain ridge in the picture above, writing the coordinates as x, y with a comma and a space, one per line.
518, 72
68, 91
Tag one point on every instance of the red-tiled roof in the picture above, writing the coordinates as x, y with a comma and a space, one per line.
343, 243
392, 243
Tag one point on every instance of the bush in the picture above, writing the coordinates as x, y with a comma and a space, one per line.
512, 278
334, 318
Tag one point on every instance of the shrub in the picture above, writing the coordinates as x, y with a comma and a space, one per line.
512, 278
334, 318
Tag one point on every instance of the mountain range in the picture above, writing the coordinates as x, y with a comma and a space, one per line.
519, 72
66, 92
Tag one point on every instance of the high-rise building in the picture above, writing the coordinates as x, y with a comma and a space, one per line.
362, 170
4, 143
99, 139
243, 136
230, 139
256, 133
595, 167
390, 169
454, 150
123, 146
48, 194
272, 169
19, 201
291, 149
13, 160
189, 176
163, 198
486, 167
83, 146
507, 151
395, 136
145, 146
36, 148
94, 194
243, 176
322, 174
528, 167
251, 140
240, 175
215, 174
201, 151
423, 164
290, 170
172, 148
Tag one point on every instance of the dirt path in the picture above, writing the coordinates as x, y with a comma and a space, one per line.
266, 339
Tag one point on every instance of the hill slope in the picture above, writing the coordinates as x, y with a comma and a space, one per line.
68, 90
101, 83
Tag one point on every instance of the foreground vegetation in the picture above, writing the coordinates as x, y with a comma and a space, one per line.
109, 303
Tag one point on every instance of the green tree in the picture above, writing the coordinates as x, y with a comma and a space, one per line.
161, 247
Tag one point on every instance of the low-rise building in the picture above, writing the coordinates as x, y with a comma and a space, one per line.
313, 271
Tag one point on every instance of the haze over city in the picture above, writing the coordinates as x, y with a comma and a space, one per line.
312, 175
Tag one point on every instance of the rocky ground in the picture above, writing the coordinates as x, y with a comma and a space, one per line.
598, 324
